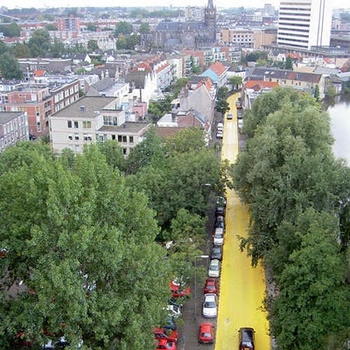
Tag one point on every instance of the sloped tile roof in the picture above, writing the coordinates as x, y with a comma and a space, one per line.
218, 68
257, 85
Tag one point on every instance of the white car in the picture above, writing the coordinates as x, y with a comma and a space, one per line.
218, 237
174, 310
210, 307
220, 126
219, 134
214, 268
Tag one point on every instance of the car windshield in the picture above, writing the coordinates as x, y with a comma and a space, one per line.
206, 335
209, 304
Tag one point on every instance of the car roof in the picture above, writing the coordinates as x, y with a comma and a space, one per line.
214, 262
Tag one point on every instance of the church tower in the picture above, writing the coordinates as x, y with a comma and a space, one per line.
210, 18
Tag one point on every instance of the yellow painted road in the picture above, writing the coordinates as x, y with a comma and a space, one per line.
242, 287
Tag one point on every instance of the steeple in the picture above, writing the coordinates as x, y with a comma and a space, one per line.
210, 18
210, 5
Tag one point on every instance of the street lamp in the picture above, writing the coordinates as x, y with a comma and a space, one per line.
195, 281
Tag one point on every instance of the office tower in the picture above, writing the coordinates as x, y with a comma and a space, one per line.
303, 24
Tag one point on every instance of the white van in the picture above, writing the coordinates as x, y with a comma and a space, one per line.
214, 268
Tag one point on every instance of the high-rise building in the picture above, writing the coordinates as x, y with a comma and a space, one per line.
303, 24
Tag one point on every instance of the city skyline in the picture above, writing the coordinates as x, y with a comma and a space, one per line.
150, 3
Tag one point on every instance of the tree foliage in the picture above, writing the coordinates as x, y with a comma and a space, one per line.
9, 67
74, 231
124, 28
313, 302
39, 43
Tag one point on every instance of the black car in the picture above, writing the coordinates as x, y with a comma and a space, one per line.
221, 201
246, 338
216, 252
220, 221
220, 211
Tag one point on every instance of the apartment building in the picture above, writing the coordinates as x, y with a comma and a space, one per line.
303, 24
91, 120
13, 128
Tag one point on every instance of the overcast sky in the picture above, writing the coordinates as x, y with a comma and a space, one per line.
142, 3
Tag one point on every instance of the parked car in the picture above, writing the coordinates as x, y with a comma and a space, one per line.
214, 268
246, 338
220, 126
218, 236
171, 324
221, 201
163, 333
219, 134
61, 343
211, 286
210, 307
174, 310
216, 252
220, 210
229, 116
206, 333
239, 113
165, 344
220, 221
240, 124
179, 290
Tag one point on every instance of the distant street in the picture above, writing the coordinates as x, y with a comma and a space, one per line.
242, 287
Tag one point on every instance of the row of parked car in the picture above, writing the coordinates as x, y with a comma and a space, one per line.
211, 286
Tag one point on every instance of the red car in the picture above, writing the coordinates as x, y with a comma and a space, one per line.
167, 334
165, 344
179, 291
206, 333
211, 286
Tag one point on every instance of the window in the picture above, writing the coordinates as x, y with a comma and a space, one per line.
86, 124
70, 137
119, 138
113, 137
76, 137
125, 151
76, 125
87, 137
131, 139
110, 120
69, 123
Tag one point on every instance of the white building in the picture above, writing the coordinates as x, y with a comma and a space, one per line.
13, 128
304, 24
91, 120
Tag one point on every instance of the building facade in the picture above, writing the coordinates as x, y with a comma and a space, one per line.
91, 120
303, 24
178, 35
13, 128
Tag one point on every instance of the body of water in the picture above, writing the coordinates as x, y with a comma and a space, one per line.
340, 125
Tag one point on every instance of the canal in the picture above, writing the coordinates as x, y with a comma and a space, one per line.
339, 111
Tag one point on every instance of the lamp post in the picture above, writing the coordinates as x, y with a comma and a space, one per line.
195, 281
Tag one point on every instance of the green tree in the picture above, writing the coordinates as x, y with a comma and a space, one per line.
284, 170
313, 301
92, 45
91, 27
222, 106
22, 51
289, 63
317, 93
113, 153
9, 67
235, 81
194, 68
3, 48
51, 27
57, 48
144, 28
10, 30
124, 28
73, 235
39, 43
